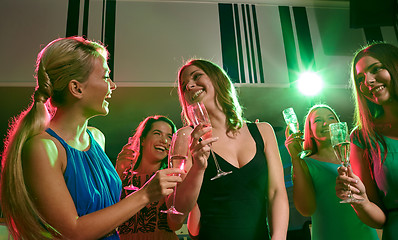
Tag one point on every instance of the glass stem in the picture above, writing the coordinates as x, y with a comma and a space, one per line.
174, 196
215, 160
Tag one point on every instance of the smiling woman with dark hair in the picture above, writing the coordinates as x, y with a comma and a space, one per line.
145, 153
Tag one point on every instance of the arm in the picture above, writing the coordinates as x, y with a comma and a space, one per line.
193, 222
44, 162
188, 191
303, 188
362, 185
277, 196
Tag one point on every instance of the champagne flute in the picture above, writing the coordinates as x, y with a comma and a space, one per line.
340, 141
133, 173
197, 114
128, 152
178, 154
291, 120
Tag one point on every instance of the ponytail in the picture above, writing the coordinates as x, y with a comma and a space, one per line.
21, 215
57, 64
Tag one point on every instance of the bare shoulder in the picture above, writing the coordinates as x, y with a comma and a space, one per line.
98, 136
40, 143
267, 133
265, 128
43, 149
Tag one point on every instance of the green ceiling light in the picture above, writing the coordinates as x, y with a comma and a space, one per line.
310, 83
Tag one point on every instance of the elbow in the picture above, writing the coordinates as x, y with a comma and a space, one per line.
378, 223
174, 224
305, 209
378, 226
304, 212
305, 204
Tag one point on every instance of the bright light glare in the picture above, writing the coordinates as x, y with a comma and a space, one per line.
309, 83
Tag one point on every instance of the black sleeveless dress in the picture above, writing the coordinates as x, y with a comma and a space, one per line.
235, 206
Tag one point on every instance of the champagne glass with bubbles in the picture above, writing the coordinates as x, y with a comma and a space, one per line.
132, 176
197, 114
178, 154
291, 120
128, 152
340, 140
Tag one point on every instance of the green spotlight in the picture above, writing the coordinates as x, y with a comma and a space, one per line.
309, 83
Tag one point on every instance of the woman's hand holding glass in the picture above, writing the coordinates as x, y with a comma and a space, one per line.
340, 140
178, 155
197, 113
349, 186
294, 143
125, 163
296, 137
162, 183
200, 149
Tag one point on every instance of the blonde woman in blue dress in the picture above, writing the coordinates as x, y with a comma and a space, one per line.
56, 181
314, 179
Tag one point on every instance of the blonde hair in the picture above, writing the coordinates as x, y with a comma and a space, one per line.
59, 62
225, 93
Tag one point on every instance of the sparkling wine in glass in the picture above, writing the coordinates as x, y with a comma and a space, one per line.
178, 154
340, 140
197, 113
291, 120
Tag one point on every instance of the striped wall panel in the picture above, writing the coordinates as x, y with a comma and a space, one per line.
241, 48
258, 44
241, 43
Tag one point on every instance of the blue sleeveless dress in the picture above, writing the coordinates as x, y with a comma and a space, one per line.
235, 206
91, 178
333, 220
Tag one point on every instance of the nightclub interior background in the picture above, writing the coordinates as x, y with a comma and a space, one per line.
263, 45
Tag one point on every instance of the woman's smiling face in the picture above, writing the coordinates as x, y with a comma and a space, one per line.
320, 120
196, 85
157, 142
373, 80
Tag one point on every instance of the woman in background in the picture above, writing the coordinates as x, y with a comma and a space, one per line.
57, 181
314, 180
144, 154
374, 141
